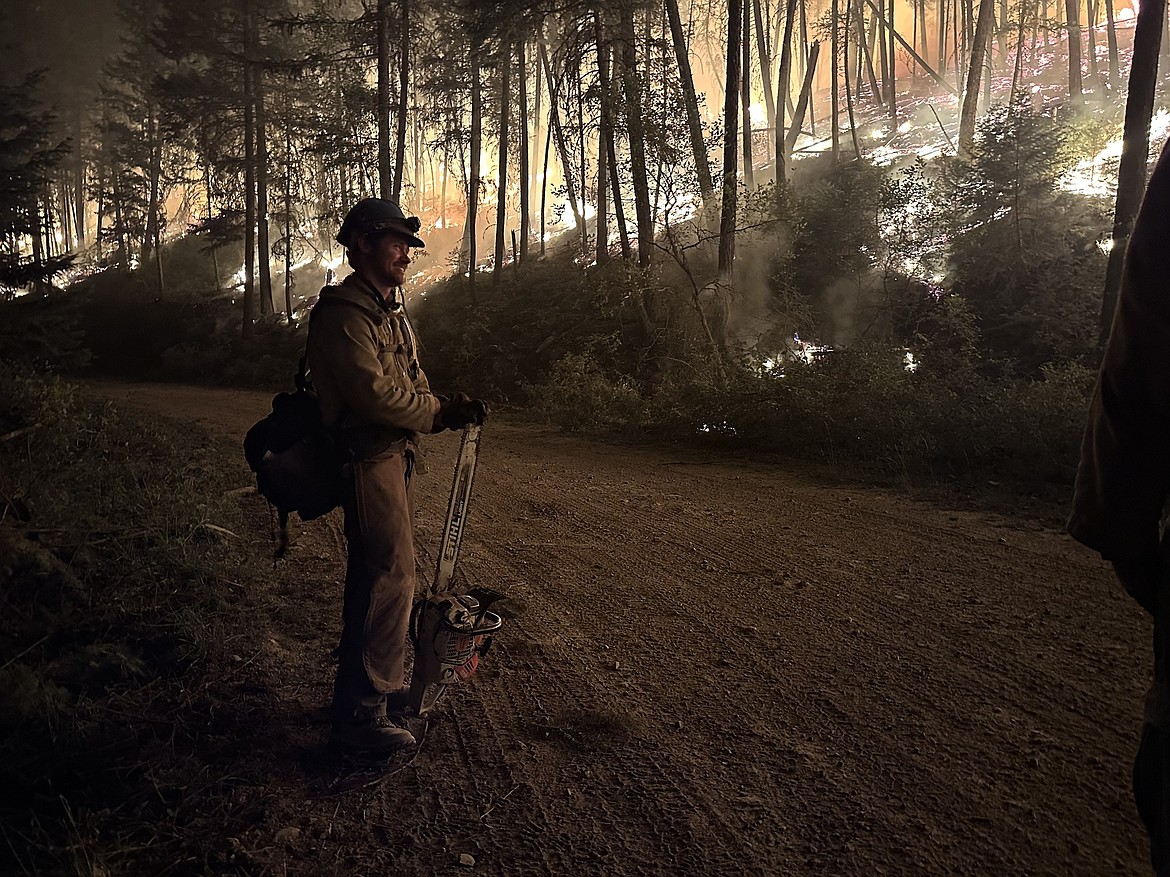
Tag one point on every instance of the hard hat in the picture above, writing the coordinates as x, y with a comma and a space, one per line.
372, 215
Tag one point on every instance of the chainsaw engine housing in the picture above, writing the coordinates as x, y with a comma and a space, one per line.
450, 632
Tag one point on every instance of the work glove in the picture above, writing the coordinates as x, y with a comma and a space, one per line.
458, 411
1143, 579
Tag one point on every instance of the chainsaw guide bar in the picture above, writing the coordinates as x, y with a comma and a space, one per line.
451, 630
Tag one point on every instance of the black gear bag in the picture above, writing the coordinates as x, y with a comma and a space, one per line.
298, 466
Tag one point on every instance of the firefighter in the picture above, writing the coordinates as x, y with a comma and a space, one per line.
363, 359
1123, 481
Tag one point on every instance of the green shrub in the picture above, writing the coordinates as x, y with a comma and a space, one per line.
579, 396
1024, 253
112, 605
514, 333
860, 409
37, 333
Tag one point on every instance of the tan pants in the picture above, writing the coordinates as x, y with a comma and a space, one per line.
379, 584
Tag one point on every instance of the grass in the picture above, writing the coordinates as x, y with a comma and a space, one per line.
116, 567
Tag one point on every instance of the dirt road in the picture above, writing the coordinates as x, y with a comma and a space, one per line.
710, 667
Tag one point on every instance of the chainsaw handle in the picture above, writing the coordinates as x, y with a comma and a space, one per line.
489, 622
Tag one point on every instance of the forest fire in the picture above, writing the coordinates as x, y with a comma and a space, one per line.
798, 303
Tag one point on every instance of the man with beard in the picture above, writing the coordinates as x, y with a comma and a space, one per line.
362, 358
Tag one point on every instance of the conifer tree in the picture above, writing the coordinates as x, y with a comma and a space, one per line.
28, 156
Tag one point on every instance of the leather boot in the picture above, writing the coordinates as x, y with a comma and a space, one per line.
370, 732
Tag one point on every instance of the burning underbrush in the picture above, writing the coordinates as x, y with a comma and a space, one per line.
929, 317
932, 322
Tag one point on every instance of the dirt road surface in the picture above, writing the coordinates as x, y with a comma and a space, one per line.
708, 667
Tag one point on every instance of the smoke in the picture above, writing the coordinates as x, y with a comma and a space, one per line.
760, 318
752, 317
838, 303
69, 39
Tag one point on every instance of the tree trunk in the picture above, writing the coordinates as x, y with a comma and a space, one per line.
154, 208
803, 101
249, 190
525, 218
49, 244
782, 89
119, 228
584, 175
263, 253
502, 178
446, 172
942, 36
385, 186
694, 126
68, 214
604, 138
959, 42
1111, 35
101, 206
79, 183
864, 48
1073, 17
805, 51
971, 94
834, 95
730, 118
562, 147
746, 99
883, 54
989, 63
634, 130
146, 245
848, 89
1092, 9
544, 174
61, 192
619, 210
892, 97
536, 169
421, 168
967, 13
473, 175
1018, 66
211, 212
913, 38
403, 101
602, 226
1003, 28
765, 65
288, 165
1135, 149
38, 244
909, 49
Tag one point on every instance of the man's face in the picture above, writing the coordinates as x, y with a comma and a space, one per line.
387, 258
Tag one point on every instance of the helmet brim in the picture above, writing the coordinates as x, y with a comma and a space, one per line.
399, 228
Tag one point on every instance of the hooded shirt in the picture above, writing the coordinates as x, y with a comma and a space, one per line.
1124, 475
362, 356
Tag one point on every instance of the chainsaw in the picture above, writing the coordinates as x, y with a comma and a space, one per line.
450, 630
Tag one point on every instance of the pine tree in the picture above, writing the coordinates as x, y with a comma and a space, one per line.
28, 157
1036, 300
